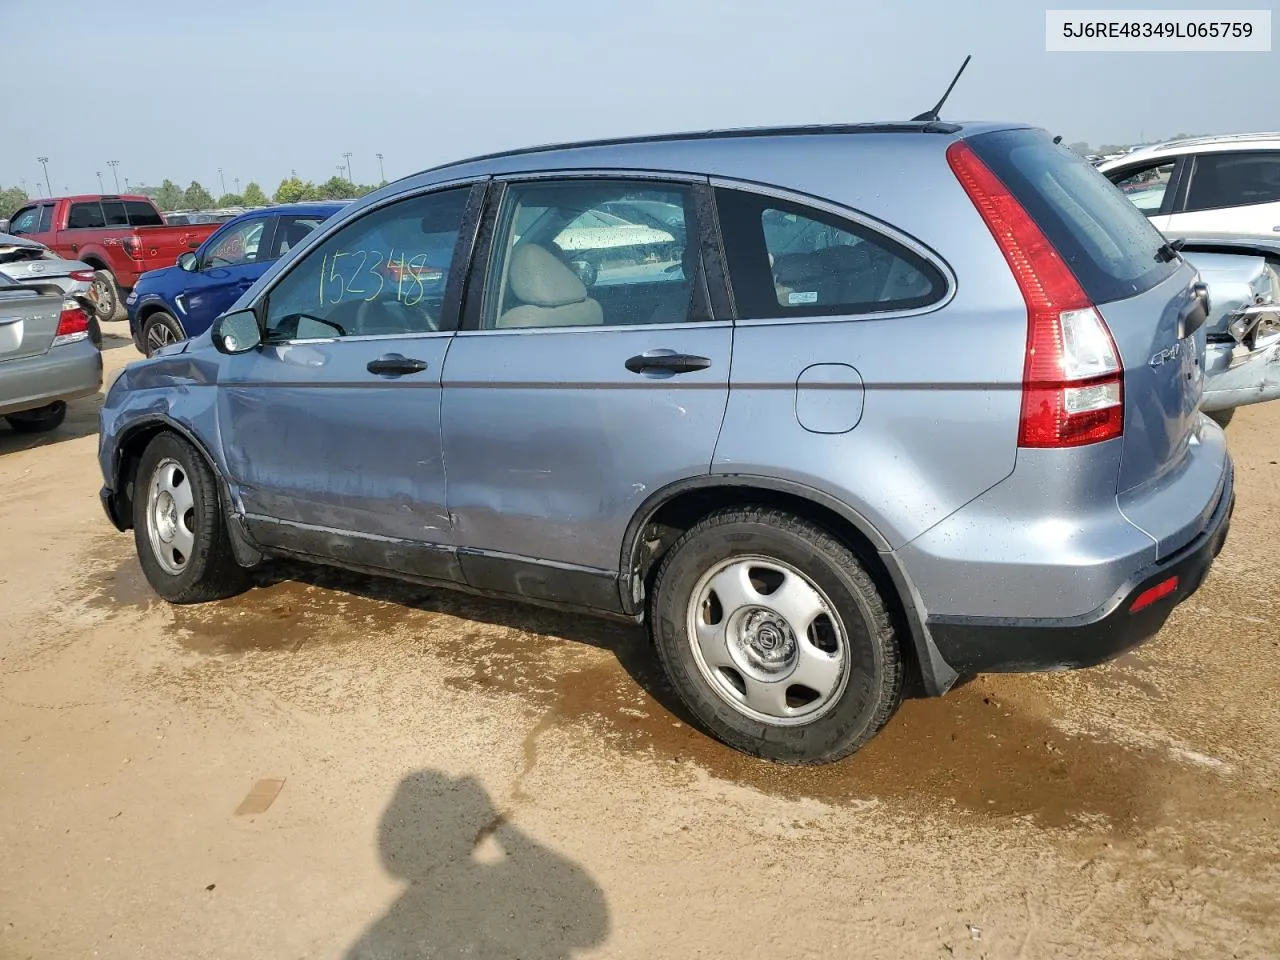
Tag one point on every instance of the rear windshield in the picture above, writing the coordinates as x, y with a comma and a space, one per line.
1111, 247
143, 214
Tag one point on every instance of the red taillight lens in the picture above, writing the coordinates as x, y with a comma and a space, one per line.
1072, 382
1149, 596
84, 276
73, 324
132, 246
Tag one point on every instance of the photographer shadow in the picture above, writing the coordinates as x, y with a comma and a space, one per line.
477, 886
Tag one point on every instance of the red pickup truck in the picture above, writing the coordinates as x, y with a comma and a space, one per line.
121, 237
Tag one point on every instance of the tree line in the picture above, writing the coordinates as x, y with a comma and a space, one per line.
170, 196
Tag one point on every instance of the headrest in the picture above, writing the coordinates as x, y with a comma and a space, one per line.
537, 277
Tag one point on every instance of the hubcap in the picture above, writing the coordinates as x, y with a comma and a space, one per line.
768, 641
171, 516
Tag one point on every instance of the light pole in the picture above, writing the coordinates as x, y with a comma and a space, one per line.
223, 181
44, 162
382, 174
347, 157
127, 188
113, 164
101, 189
236, 181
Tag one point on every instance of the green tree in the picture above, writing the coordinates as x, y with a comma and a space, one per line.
231, 200
291, 190
169, 197
253, 195
337, 188
10, 200
197, 197
1080, 147
146, 191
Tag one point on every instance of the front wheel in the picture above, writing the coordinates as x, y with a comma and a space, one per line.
159, 330
776, 637
179, 529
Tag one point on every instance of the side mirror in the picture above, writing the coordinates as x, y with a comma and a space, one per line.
236, 332
187, 262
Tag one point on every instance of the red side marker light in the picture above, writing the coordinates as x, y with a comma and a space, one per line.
1149, 596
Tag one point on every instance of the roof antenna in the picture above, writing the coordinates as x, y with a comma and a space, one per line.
933, 114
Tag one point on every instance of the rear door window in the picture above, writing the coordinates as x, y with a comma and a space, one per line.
788, 259
113, 213
84, 216
1110, 246
291, 231
1234, 180
142, 214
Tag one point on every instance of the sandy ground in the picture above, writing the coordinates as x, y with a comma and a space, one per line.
333, 766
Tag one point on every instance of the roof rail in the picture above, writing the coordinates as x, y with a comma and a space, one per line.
1222, 138
905, 126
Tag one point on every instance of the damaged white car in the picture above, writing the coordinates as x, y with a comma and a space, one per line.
1242, 361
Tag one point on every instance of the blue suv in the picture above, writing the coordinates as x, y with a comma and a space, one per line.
182, 301
828, 408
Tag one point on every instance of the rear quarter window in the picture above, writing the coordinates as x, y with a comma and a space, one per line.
1108, 243
788, 259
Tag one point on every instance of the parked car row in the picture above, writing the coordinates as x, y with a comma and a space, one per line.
850, 405
119, 237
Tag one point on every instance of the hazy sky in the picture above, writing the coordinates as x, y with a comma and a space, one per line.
178, 89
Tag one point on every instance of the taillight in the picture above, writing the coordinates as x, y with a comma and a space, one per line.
1072, 382
73, 324
84, 276
132, 246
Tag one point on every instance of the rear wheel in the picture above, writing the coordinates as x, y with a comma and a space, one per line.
179, 530
159, 330
776, 637
40, 420
106, 296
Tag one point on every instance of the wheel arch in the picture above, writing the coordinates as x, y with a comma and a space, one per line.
124, 471
149, 308
668, 512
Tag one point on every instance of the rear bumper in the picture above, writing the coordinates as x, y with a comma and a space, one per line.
996, 645
66, 372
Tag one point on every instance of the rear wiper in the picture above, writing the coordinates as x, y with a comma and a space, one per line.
1169, 250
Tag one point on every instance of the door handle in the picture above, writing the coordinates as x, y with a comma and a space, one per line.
667, 360
395, 365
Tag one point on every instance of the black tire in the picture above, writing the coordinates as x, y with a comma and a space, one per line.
873, 689
41, 420
210, 572
160, 329
108, 299
1222, 417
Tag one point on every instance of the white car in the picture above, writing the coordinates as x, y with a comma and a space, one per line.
1226, 184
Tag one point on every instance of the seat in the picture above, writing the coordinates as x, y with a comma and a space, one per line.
677, 308
550, 294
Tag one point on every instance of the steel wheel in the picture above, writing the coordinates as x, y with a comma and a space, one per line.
159, 335
768, 641
171, 516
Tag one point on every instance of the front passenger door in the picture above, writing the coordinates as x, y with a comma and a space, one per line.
331, 429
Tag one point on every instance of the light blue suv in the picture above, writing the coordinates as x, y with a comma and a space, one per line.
865, 403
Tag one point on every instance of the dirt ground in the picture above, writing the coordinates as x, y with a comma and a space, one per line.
334, 766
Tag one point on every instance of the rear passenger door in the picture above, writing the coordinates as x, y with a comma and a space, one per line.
592, 369
1236, 192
